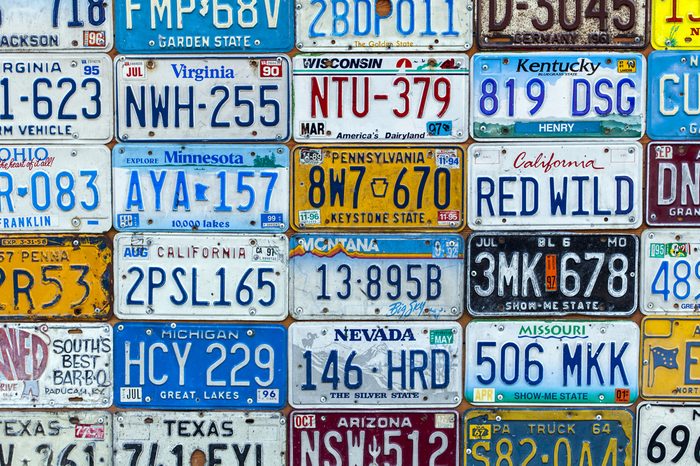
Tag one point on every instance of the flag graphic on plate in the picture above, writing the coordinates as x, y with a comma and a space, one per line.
662, 357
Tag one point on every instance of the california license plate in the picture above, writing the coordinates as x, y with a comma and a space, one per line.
547, 362
673, 184
667, 433
202, 187
381, 98
674, 24
558, 95
188, 98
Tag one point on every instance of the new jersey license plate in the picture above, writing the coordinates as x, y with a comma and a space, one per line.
674, 24
558, 95
667, 433
381, 98
673, 184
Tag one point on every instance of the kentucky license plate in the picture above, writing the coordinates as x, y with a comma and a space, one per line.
674, 24
557, 95
548, 362
393, 277
667, 433
381, 98
673, 184
202, 98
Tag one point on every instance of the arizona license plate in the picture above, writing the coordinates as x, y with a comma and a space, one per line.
392, 277
667, 433
188, 98
673, 184
546, 186
674, 24
546, 362
381, 98
557, 95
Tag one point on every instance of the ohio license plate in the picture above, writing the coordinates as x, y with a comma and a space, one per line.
384, 364
673, 184
546, 186
674, 24
212, 366
552, 273
667, 433
557, 95
393, 277
546, 362
187, 98
201, 187
381, 98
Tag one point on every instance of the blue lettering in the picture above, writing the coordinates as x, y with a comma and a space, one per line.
575, 111
503, 195
134, 197
481, 195
558, 200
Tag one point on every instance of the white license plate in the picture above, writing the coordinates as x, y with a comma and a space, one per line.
200, 276
668, 433
187, 98
380, 98
543, 186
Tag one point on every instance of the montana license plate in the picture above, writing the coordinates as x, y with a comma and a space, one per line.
667, 433
673, 184
674, 24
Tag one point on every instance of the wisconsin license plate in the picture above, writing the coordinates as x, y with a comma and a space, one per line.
667, 432
545, 362
202, 366
380, 98
392, 277
673, 184
201, 187
674, 24
187, 98
546, 186
557, 95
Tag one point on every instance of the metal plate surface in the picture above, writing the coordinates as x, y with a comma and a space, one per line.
203, 187
667, 433
673, 184
394, 277
381, 98
202, 98
558, 95
552, 362
547, 186
674, 24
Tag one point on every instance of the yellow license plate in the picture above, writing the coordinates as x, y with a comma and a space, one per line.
388, 188
675, 24
59, 276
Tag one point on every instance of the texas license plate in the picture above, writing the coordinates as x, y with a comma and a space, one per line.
674, 24
546, 362
187, 98
557, 95
673, 182
381, 98
667, 433
201, 187
393, 277
547, 186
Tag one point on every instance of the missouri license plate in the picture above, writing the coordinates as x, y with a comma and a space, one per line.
545, 362
667, 433
673, 184
380, 98
558, 95
674, 24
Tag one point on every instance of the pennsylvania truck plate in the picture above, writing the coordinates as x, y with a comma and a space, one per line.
674, 24
548, 362
667, 433
393, 277
381, 98
673, 184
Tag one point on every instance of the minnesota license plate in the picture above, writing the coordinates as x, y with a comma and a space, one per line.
674, 24
547, 362
558, 95
393, 277
202, 98
381, 98
201, 187
673, 184
667, 433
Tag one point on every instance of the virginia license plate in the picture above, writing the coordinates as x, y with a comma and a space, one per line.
202, 366
557, 95
381, 98
187, 98
546, 362
392, 277
546, 186
201, 187
673, 184
674, 24
667, 433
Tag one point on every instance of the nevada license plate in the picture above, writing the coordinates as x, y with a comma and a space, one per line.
667, 433
557, 95
674, 24
381, 98
547, 186
203, 187
202, 98
673, 182
392, 277
546, 362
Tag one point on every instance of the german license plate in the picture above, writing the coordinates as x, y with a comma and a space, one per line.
384, 364
674, 24
187, 98
398, 188
381, 98
201, 187
667, 433
546, 362
545, 186
552, 273
557, 95
393, 277
673, 177
213, 366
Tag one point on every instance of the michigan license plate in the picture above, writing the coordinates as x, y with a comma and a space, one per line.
673, 184
674, 24
667, 432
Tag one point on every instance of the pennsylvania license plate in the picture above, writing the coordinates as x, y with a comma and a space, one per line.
381, 98
188, 98
548, 362
674, 24
393, 277
557, 95
667, 433
673, 183
202, 187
